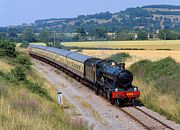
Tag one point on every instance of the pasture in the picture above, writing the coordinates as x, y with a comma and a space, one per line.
148, 45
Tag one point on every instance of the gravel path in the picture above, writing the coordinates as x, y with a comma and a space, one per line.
94, 109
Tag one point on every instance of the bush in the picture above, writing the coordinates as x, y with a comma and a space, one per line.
18, 73
164, 74
119, 57
142, 35
36, 88
24, 61
24, 45
7, 49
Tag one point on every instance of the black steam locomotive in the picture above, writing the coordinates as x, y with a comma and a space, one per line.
106, 77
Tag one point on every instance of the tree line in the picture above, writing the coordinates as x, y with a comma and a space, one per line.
98, 34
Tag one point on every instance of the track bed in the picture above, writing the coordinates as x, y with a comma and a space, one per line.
91, 108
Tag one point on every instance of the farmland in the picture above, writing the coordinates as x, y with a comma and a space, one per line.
135, 54
152, 50
148, 45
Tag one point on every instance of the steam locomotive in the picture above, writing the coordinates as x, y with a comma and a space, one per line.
106, 77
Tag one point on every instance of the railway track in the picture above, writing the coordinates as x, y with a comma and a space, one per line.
146, 120
143, 118
138, 115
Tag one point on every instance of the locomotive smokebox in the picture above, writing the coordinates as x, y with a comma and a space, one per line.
124, 78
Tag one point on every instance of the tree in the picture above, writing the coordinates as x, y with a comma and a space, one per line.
12, 32
168, 35
28, 35
81, 34
100, 33
44, 36
124, 36
3, 36
142, 35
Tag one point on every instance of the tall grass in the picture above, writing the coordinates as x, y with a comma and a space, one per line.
30, 102
159, 82
4, 66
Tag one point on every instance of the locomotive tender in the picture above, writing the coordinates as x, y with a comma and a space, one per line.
106, 77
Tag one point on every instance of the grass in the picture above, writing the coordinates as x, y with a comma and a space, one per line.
148, 45
165, 104
4, 66
21, 108
159, 85
87, 106
93, 111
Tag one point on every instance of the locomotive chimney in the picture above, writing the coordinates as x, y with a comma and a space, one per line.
122, 65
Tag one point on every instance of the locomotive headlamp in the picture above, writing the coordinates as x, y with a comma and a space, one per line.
135, 89
116, 90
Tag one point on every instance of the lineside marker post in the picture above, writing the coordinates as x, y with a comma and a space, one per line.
59, 98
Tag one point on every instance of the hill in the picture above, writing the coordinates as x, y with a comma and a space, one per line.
151, 18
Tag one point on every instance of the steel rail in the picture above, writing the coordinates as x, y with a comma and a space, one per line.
154, 118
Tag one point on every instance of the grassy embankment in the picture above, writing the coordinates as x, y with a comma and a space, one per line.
159, 83
27, 100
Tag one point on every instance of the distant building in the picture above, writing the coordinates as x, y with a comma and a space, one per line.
135, 36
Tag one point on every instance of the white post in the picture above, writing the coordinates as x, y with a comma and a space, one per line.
60, 98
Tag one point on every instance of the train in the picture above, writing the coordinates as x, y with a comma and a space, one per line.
106, 77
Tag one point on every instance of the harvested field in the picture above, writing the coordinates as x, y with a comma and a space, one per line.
148, 45
135, 54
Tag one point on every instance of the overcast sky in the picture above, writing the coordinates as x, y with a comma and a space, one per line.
13, 12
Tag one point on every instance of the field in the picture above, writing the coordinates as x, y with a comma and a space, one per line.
39, 43
148, 45
136, 55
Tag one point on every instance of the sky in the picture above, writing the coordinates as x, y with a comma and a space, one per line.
16, 12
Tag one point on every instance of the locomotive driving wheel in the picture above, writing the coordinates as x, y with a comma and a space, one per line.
112, 101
